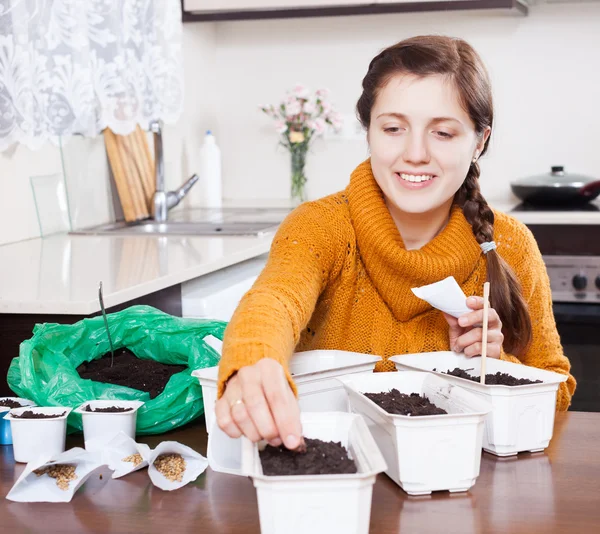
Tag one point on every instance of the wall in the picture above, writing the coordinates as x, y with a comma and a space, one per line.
85, 161
545, 71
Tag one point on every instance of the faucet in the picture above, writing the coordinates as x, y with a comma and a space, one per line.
165, 200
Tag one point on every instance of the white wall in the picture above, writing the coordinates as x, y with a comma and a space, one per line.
86, 166
545, 70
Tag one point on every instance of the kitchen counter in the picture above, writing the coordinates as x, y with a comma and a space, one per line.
60, 274
555, 492
589, 215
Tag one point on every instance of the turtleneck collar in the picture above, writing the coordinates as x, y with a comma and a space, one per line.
395, 270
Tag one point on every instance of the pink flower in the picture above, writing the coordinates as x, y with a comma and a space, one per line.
293, 108
322, 93
280, 127
309, 107
319, 126
301, 91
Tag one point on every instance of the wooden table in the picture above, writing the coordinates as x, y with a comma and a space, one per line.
553, 492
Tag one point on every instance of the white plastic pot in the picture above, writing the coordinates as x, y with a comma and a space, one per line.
336, 504
33, 438
99, 428
5, 433
315, 374
522, 417
430, 452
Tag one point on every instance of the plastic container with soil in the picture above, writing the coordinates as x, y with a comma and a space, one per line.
424, 453
7, 404
315, 373
104, 419
36, 436
522, 417
336, 504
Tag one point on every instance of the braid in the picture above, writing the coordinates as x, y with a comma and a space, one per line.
505, 290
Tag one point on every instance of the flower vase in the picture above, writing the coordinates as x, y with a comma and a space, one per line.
298, 186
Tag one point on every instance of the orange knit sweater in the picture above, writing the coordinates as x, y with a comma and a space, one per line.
339, 277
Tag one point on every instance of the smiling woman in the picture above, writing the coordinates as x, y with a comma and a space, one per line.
341, 269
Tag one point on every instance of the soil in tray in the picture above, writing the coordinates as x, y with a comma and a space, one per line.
108, 409
9, 403
28, 414
496, 379
402, 404
130, 371
320, 458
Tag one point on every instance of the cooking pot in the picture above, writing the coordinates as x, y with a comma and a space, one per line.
556, 188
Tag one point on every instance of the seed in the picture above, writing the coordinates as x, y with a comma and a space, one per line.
61, 472
136, 459
172, 466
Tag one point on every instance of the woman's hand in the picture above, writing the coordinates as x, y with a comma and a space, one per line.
259, 403
466, 332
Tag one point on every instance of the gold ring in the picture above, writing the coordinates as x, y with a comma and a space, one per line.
239, 401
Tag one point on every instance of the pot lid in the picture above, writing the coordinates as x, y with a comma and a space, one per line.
557, 177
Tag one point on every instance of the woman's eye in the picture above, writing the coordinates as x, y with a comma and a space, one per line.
444, 135
392, 129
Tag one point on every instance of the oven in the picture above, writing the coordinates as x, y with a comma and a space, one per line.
572, 256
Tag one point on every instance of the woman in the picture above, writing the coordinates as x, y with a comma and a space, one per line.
340, 269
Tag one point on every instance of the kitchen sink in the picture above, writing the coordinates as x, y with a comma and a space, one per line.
187, 228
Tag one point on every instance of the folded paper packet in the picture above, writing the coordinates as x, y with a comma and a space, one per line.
55, 479
445, 295
123, 455
175, 474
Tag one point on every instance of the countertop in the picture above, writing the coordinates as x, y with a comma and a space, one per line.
554, 492
60, 274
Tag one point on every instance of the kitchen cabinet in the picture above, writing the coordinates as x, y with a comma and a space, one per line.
215, 10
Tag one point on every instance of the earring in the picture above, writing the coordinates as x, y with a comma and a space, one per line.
475, 157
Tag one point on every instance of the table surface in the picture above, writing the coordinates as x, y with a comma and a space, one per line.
557, 491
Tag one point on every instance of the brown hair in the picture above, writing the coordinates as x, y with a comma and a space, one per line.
428, 55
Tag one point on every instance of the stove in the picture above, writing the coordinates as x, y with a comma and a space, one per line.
572, 256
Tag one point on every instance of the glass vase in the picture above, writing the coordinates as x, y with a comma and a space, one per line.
298, 186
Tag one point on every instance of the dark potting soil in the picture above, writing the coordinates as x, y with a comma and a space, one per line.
402, 404
496, 379
320, 458
28, 414
108, 409
130, 371
9, 403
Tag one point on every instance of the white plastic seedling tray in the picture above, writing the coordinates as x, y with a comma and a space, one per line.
424, 453
35, 437
99, 428
336, 504
522, 417
315, 374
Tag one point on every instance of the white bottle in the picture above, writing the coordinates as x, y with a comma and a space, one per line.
210, 172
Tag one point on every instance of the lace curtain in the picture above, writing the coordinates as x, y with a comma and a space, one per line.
78, 66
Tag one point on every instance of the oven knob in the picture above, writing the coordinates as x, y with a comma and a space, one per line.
598, 281
580, 282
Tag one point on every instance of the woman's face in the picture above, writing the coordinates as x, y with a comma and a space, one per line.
422, 142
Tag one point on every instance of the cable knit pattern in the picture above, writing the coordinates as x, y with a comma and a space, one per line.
339, 277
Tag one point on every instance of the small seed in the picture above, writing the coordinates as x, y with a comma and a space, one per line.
172, 466
136, 459
61, 472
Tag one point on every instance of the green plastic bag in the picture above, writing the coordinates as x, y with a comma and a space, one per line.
45, 370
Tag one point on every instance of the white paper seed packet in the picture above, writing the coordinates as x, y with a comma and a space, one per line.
31, 487
445, 295
195, 465
120, 448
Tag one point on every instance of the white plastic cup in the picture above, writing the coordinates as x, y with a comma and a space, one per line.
99, 428
522, 417
429, 452
33, 438
5, 433
336, 504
